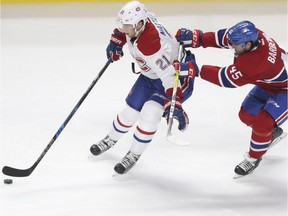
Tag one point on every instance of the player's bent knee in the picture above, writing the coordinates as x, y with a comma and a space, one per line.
150, 115
246, 117
128, 115
263, 124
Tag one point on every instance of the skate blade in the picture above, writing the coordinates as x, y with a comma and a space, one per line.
236, 176
278, 139
115, 174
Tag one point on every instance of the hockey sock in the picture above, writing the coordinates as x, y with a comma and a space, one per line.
261, 134
123, 122
150, 117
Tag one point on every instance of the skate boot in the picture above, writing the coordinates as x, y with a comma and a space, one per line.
277, 132
126, 163
102, 146
246, 166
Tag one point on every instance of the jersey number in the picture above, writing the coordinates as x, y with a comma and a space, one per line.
162, 62
235, 74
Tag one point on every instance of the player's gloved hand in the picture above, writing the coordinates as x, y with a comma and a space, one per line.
179, 114
189, 38
189, 65
114, 49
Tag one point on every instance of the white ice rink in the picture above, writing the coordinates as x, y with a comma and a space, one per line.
50, 55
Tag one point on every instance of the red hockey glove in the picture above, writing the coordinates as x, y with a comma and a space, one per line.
189, 38
114, 49
179, 114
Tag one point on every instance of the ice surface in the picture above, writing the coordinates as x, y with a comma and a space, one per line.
47, 63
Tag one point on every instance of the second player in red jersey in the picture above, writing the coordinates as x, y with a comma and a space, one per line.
258, 60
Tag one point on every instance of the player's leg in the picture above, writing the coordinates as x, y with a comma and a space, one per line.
276, 106
121, 125
266, 125
126, 118
149, 119
252, 104
150, 116
265, 129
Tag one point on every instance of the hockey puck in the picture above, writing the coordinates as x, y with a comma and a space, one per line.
8, 181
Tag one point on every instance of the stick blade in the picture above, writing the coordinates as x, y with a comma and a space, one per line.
10, 171
172, 139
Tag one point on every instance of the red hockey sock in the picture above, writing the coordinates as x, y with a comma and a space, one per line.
261, 134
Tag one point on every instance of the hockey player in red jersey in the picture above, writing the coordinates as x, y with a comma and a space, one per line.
154, 50
260, 61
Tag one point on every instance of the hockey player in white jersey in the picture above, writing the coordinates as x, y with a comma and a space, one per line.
155, 52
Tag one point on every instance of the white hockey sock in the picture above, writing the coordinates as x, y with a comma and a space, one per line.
123, 122
150, 116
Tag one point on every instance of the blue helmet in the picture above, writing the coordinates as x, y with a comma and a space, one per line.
243, 32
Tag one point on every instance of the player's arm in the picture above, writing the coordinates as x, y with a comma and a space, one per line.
229, 76
196, 38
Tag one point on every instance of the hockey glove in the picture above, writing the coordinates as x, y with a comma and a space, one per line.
189, 65
114, 49
179, 114
189, 38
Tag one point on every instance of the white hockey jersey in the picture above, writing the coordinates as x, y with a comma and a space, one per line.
154, 51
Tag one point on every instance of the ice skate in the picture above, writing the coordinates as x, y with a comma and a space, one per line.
277, 136
246, 166
102, 146
126, 163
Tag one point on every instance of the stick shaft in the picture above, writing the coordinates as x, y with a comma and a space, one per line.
174, 94
10, 171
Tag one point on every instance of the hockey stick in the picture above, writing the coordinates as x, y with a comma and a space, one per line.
169, 135
10, 171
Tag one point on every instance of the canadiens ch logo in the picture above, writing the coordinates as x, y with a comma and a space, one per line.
142, 64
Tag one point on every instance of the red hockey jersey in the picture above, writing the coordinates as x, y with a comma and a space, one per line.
263, 66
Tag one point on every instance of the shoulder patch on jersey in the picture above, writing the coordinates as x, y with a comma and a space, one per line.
149, 40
